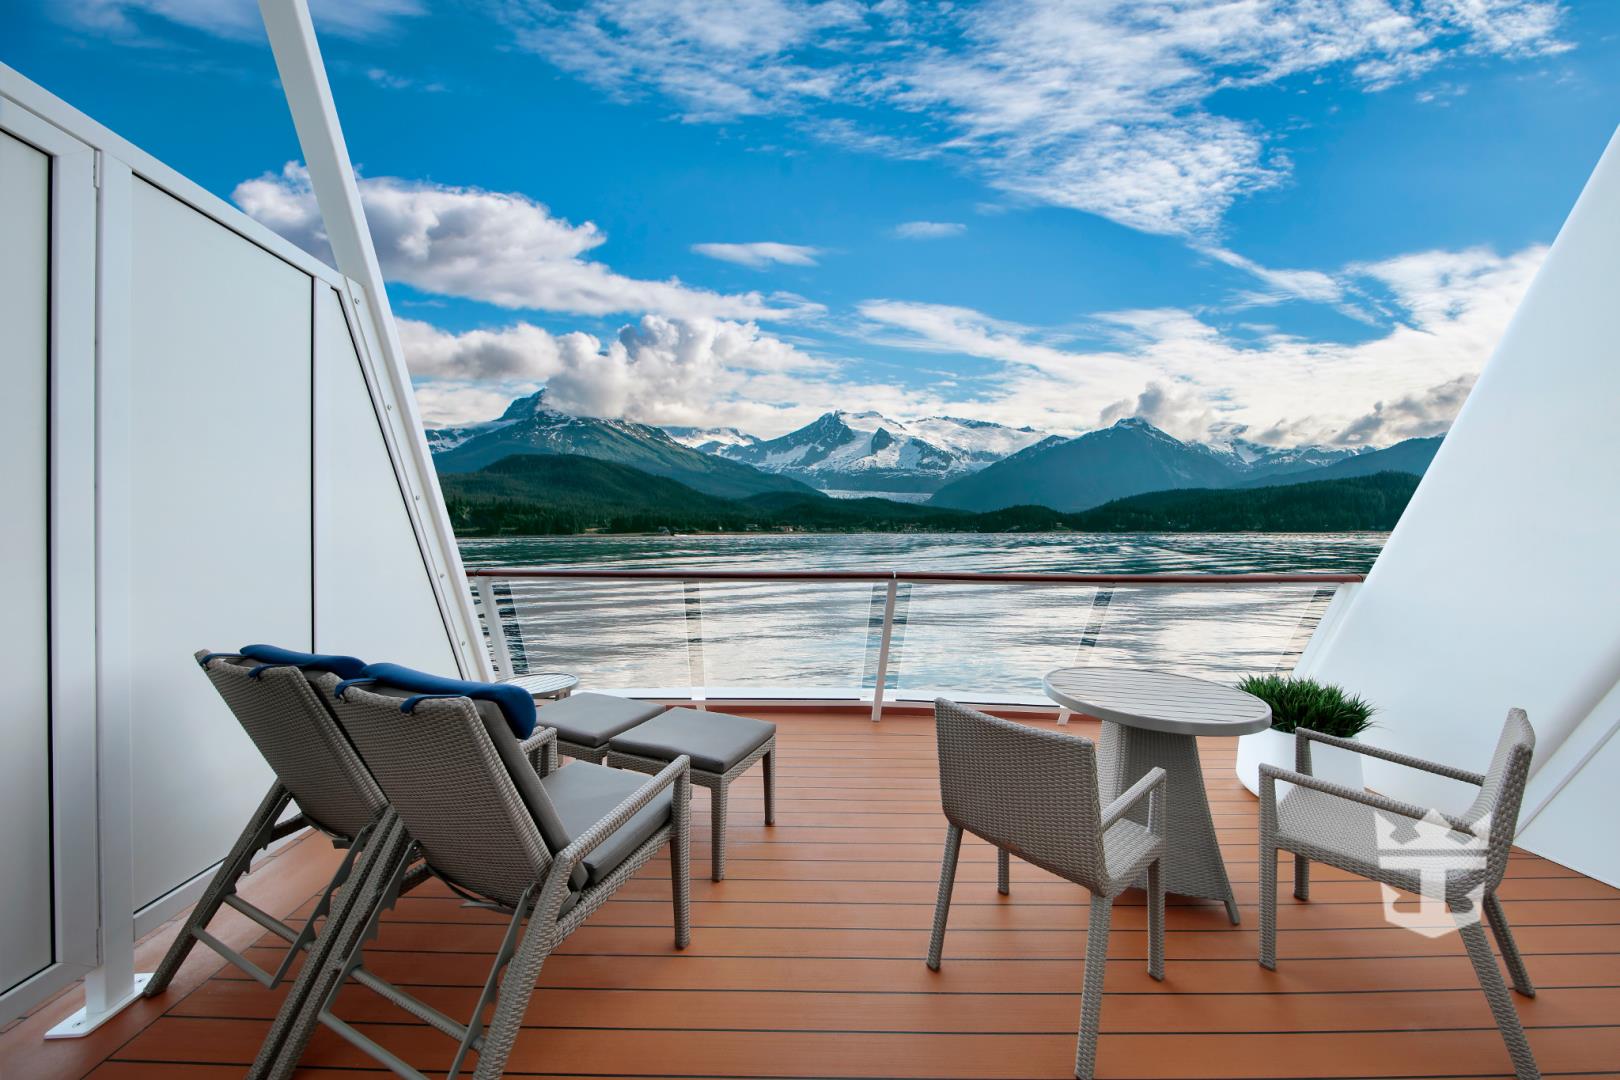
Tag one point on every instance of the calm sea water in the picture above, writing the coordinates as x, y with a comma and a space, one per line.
984, 642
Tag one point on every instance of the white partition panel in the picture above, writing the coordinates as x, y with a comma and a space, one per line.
1499, 586
229, 461
220, 516
371, 582
25, 752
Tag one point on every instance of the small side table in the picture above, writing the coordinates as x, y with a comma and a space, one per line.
1153, 718
546, 684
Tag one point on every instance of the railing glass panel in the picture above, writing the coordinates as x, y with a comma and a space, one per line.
983, 639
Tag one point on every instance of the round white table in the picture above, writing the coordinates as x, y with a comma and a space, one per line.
547, 684
1151, 718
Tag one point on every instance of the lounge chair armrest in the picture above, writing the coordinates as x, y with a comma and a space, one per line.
1303, 736
588, 841
1270, 774
541, 750
1151, 781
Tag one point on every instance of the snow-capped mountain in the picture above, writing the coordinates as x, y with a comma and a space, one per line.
530, 426
1258, 459
869, 452
442, 440
710, 440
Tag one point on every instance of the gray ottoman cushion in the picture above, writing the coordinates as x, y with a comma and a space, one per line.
592, 719
585, 794
714, 741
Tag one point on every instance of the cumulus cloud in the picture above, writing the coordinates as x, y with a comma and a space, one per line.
760, 254
1410, 416
500, 248
928, 230
656, 370
1449, 309
237, 19
1106, 106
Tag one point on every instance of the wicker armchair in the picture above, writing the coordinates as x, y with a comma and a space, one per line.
1456, 860
1034, 794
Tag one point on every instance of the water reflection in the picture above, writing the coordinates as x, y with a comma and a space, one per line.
994, 640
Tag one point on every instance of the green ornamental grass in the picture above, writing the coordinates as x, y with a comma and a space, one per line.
1306, 703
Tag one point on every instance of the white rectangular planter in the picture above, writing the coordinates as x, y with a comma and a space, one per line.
1273, 747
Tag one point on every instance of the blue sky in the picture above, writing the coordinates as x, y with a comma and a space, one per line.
1294, 220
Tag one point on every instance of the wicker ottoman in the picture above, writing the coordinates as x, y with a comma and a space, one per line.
721, 747
585, 722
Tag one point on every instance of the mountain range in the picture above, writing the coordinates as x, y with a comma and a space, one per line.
869, 452
1133, 457
530, 426
947, 462
562, 494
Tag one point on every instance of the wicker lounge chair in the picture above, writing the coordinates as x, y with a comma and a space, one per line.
721, 747
1457, 860
1034, 794
269, 690
465, 798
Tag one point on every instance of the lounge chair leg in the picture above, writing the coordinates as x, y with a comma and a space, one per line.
717, 833
769, 762
1302, 877
680, 862
224, 884
1155, 902
1509, 947
1003, 872
516, 989
942, 906
1085, 1054
1268, 903
319, 978
1496, 993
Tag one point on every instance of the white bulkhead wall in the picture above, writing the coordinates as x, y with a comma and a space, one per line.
253, 479
1499, 587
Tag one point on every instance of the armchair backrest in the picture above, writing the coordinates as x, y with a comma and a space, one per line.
443, 775
1029, 791
1503, 791
284, 715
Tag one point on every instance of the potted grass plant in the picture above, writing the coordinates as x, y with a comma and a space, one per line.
1303, 703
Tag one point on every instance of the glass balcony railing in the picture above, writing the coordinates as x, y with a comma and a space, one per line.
877, 636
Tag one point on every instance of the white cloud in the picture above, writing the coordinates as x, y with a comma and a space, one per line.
1106, 106
657, 370
237, 19
1449, 311
500, 248
928, 230
760, 254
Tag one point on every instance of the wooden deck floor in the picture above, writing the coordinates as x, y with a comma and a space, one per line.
807, 961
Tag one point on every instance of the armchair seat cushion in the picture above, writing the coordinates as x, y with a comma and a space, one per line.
1384, 846
714, 741
585, 794
592, 719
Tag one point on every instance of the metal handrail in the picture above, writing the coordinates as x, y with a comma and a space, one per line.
483, 581
933, 576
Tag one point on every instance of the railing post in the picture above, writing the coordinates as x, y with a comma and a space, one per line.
885, 638
693, 596
501, 652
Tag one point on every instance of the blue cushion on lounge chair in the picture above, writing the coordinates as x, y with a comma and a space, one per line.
344, 667
514, 702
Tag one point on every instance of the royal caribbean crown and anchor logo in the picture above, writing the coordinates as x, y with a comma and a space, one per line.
1449, 869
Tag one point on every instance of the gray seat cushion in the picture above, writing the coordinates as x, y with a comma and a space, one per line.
584, 794
714, 741
592, 719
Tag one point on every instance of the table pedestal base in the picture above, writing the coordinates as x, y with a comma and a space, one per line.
1192, 857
